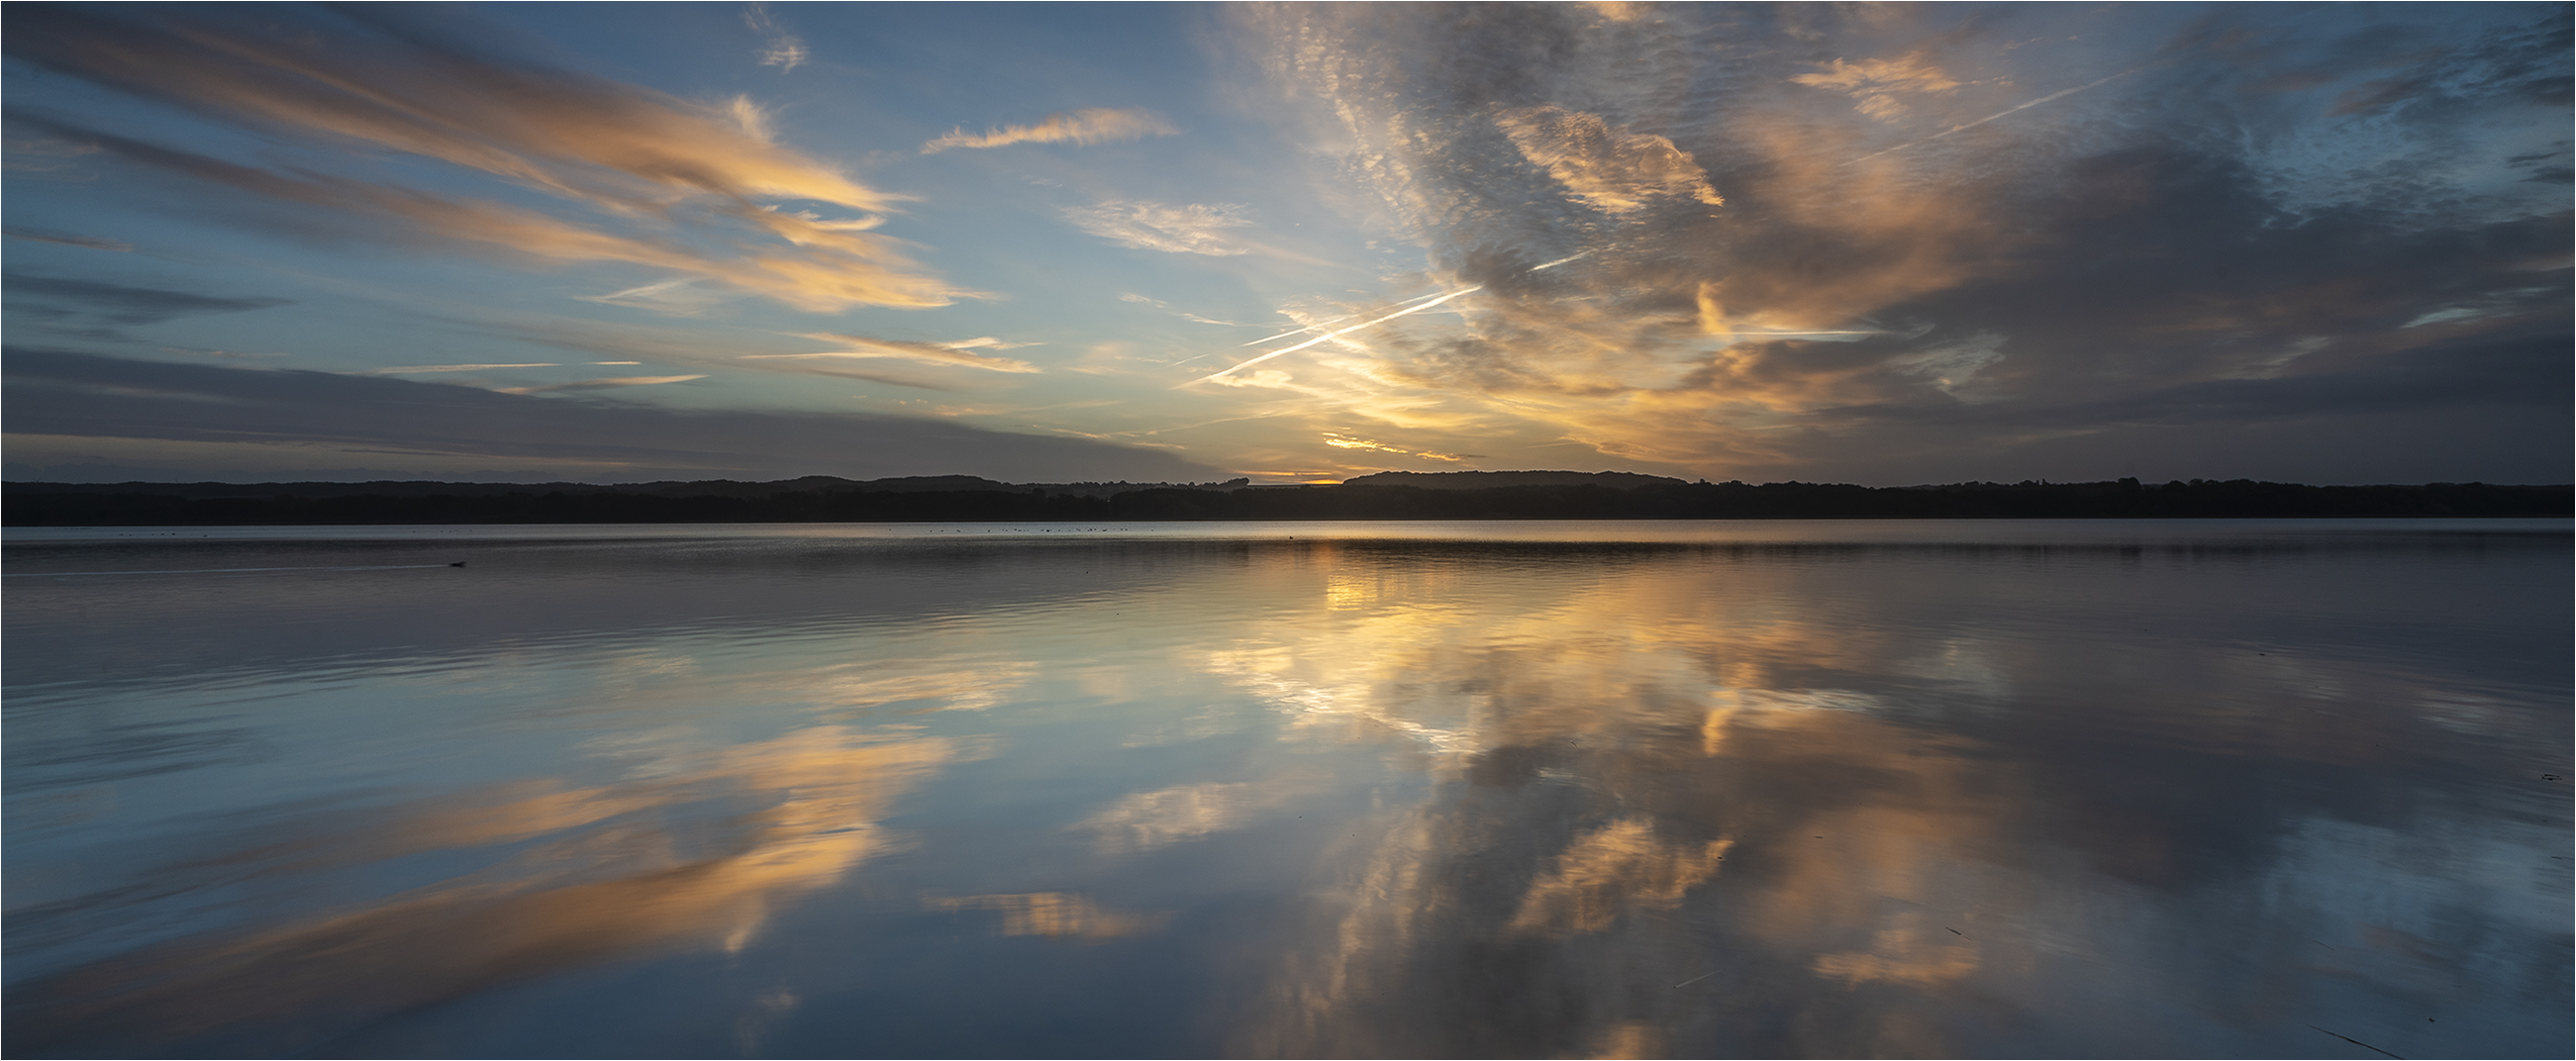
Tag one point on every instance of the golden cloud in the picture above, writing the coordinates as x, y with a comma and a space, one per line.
1195, 228
624, 151
863, 347
1090, 125
1614, 170
1879, 83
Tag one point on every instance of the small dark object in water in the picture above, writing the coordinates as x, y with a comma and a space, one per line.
459, 563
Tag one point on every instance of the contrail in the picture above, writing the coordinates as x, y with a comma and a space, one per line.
1319, 324
2051, 97
1420, 304
1304, 330
1415, 308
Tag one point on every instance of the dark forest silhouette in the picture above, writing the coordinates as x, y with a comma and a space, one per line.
1462, 496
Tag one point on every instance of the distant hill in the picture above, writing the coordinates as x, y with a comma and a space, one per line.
1489, 480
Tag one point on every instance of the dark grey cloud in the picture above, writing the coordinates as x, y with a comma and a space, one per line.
72, 395
68, 239
119, 304
2333, 235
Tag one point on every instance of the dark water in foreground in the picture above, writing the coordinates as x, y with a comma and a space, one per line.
2188, 788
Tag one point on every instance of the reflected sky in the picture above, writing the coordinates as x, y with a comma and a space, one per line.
2182, 788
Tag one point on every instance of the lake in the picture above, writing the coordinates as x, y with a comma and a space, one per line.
1771, 788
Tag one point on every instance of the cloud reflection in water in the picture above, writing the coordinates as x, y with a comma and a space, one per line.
1321, 797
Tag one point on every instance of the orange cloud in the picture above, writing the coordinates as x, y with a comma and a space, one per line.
626, 152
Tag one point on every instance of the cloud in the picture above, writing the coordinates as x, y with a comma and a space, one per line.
1881, 84
67, 239
405, 370
60, 405
120, 304
1090, 125
862, 347
1197, 228
781, 49
701, 349
679, 297
628, 154
2175, 239
601, 384
1614, 170
832, 272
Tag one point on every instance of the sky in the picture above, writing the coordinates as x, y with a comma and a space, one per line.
1889, 245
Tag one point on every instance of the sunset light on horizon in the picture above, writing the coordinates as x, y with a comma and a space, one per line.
1875, 244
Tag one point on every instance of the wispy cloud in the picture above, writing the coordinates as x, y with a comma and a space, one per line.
781, 49
824, 274
1338, 440
409, 370
1090, 125
626, 152
1196, 228
1617, 171
1881, 85
42, 235
601, 384
172, 409
120, 304
959, 353
678, 296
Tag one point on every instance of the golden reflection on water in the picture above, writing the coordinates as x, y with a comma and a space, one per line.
1052, 914
606, 891
1594, 731
1665, 799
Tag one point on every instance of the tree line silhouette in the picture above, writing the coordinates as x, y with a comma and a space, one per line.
810, 500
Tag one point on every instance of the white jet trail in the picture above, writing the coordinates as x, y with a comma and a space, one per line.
1337, 320
1319, 324
1420, 304
1415, 308
1304, 330
2051, 97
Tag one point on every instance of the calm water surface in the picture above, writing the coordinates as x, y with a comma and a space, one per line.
2086, 788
